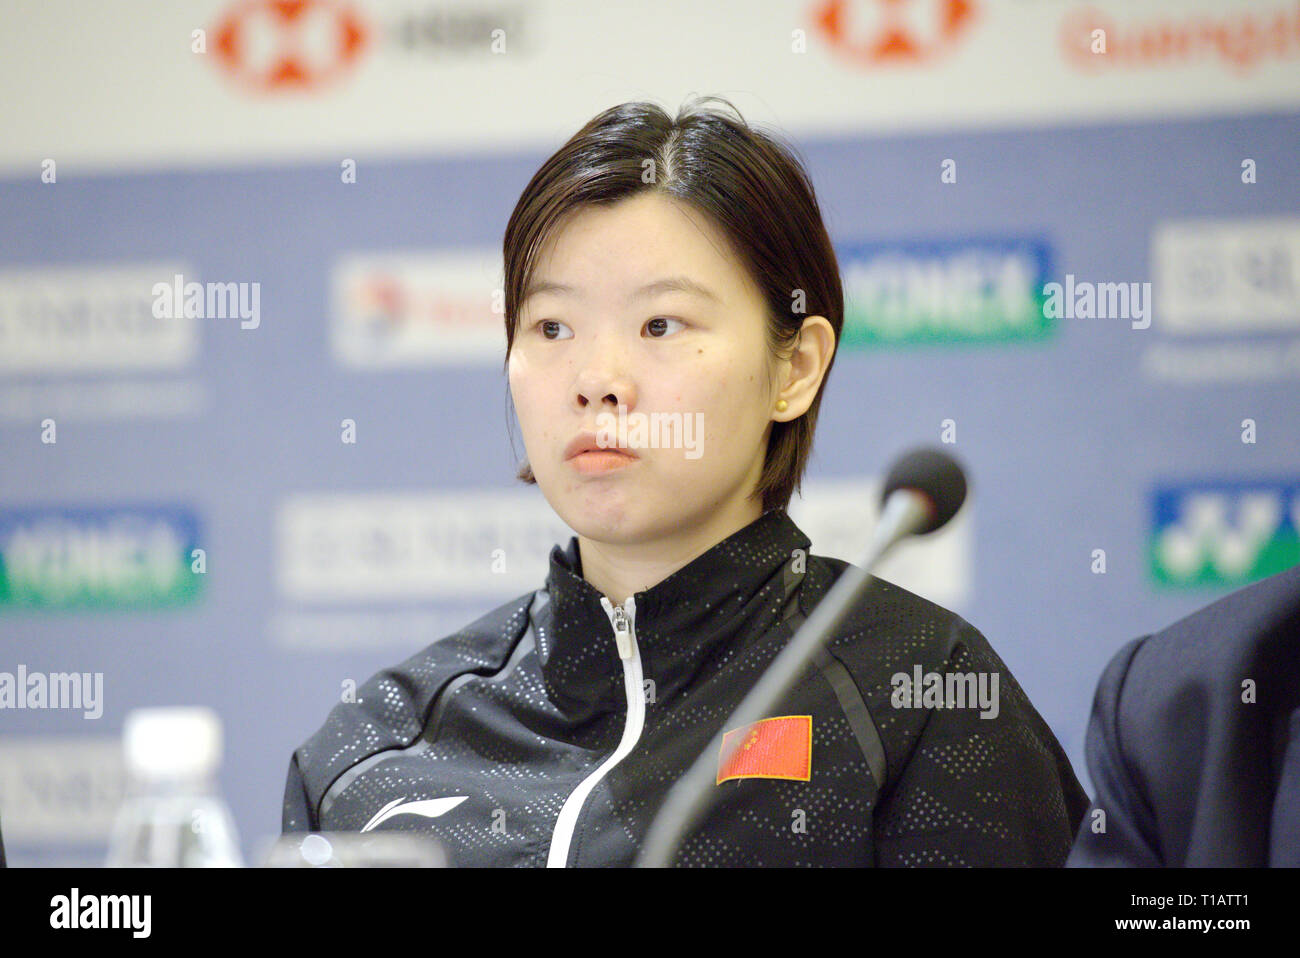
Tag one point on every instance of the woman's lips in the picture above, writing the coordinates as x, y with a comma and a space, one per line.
599, 461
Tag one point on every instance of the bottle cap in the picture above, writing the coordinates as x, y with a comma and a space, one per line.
172, 743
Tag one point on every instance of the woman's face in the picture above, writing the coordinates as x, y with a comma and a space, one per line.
604, 340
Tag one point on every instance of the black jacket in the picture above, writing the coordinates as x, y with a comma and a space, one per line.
1189, 768
527, 739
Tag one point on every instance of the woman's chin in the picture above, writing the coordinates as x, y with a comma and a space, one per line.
602, 520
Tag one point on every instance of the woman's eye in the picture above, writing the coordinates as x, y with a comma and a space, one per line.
657, 325
549, 326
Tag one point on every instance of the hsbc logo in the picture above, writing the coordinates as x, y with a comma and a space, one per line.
272, 46
881, 33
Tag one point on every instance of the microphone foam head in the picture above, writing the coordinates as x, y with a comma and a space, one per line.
933, 474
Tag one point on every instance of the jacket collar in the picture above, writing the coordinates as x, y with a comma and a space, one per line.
730, 593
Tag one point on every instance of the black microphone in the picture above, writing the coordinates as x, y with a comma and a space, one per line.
922, 491
933, 475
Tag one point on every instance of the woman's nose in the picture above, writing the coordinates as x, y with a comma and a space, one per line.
605, 379
604, 390
606, 376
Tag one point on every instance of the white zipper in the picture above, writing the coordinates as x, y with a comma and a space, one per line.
623, 619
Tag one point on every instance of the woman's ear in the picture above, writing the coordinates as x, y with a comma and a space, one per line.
808, 362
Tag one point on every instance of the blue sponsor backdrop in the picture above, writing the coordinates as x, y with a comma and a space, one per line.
1067, 434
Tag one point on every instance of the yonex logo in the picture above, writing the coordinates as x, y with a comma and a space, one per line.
1224, 533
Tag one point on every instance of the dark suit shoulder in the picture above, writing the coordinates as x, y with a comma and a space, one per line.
1250, 633
1186, 728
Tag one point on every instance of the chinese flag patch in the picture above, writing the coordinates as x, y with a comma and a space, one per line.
770, 748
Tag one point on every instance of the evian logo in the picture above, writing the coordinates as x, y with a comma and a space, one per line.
894, 32
278, 45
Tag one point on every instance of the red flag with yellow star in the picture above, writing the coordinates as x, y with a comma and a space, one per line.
770, 748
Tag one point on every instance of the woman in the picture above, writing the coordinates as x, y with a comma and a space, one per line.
673, 304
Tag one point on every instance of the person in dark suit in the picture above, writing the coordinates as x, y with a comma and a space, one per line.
1194, 742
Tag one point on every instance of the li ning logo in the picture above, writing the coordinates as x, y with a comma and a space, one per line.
655, 430
952, 690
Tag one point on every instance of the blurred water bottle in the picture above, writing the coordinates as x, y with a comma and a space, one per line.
173, 816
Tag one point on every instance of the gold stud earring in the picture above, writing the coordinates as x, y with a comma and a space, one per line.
781, 405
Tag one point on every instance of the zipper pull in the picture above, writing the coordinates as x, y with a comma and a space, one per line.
622, 634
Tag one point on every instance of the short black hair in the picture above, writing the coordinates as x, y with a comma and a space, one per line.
749, 183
